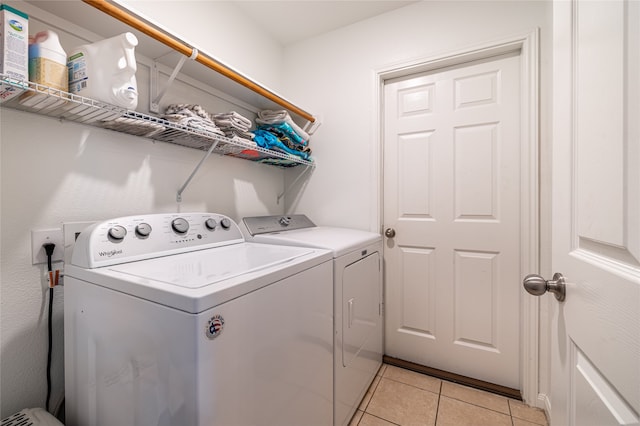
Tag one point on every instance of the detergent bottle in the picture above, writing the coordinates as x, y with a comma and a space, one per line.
106, 71
48, 67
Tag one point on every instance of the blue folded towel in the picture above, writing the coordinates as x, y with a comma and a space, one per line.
268, 140
287, 130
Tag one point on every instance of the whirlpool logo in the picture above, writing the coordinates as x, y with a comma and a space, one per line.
110, 253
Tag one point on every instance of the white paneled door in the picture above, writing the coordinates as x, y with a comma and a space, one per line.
452, 157
596, 213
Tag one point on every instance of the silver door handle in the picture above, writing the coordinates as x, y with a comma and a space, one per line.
536, 285
350, 305
390, 233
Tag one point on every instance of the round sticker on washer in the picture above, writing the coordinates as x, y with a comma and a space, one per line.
214, 326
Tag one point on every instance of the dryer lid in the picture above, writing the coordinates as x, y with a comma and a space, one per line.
339, 240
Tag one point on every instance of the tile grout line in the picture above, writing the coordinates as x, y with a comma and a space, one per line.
439, 393
452, 397
414, 386
373, 391
510, 413
535, 422
435, 422
381, 418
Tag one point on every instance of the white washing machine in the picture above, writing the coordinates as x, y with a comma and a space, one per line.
174, 319
358, 319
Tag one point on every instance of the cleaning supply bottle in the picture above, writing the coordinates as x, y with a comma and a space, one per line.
47, 66
14, 51
106, 71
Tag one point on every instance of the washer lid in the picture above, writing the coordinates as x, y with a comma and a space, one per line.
208, 267
196, 281
339, 240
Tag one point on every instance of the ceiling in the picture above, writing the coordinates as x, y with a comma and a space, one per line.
286, 21
290, 21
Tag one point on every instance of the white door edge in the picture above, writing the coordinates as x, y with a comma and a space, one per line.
527, 45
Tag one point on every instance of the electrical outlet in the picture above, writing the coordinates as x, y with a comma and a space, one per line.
70, 231
42, 236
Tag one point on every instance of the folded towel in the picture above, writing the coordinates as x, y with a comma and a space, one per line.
193, 116
233, 119
284, 128
285, 139
133, 126
189, 110
194, 123
230, 124
232, 133
268, 140
268, 116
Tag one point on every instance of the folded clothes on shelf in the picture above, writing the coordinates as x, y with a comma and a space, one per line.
193, 116
234, 125
277, 137
232, 120
268, 116
260, 157
268, 140
285, 129
286, 139
133, 126
188, 109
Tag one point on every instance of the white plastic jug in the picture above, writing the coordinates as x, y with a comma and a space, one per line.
47, 66
106, 71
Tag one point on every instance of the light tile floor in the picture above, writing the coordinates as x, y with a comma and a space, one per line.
403, 397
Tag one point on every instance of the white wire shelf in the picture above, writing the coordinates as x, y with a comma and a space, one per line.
43, 100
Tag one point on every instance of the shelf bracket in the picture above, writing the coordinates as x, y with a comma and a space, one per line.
311, 126
281, 195
193, 173
154, 103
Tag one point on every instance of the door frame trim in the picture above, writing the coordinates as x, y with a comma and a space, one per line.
527, 45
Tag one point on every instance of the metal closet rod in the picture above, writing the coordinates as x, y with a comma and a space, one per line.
183, 48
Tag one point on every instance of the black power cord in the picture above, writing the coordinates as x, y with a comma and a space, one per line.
48, 248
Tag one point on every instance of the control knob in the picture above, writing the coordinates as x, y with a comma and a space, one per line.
180, 225
225, 223
143, 230
210, 224
117, 233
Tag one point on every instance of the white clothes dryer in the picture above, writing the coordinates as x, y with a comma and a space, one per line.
174, 319
358, 319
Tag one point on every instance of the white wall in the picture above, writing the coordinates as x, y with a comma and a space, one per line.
335, 75
54, 172
220, 29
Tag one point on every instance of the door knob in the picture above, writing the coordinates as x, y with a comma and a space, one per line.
390, 233
536, 285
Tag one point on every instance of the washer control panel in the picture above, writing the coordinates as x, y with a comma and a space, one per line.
131, 238
268, 224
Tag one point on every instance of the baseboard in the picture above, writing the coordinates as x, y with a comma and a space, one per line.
455, 378
545, 403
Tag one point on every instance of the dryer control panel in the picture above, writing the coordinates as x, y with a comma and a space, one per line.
131, 238
269, 224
